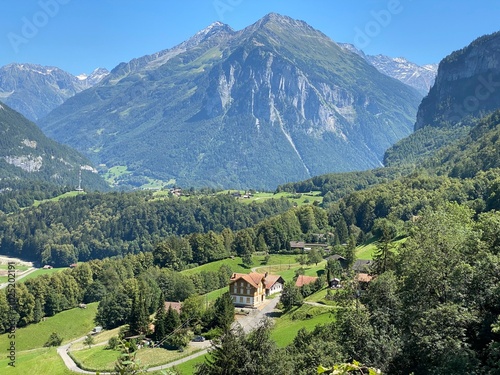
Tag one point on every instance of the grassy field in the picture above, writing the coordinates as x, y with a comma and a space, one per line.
213, 295
95, 358
114, 173
367, 251
19, 267
98, 358
39, 361
69, 324
237, 265
286, 327
42, 272
298, 199
101, 338
59, 197
188, 368
287, 270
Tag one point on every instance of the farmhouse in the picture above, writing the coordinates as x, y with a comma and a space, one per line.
250, 290
306, 246
247, 290
363, 279
340, 259
273, 283
362, 266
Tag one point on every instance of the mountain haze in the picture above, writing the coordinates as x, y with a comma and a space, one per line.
274, 102
35, 90
421, 78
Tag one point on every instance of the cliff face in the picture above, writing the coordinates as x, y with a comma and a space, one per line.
467, 85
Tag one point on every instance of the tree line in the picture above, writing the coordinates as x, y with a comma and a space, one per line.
115, 283
97, 225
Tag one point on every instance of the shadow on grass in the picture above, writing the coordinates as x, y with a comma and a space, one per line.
320, 273
274, 314
245, 266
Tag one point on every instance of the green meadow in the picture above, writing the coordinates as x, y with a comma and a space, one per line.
306, 316
33, 362
42, 271
69, 324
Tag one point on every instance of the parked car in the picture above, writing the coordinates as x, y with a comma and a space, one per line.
198, 339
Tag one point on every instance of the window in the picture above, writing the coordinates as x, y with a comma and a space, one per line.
248, 299
241, 299
241, 290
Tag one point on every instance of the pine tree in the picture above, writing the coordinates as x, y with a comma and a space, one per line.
171, 321
160, 331
138, 321
38, 312
224, 312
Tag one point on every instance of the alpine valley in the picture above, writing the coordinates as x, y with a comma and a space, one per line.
392, 270
275, 102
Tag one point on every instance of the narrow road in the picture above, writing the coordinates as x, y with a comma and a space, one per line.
248, 323
24, 274
252, 320
68, 361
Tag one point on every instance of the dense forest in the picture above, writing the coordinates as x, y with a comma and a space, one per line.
98, 225
433, 308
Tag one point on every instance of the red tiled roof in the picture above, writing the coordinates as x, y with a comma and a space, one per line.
252, 278
272, 279
305, 280
175, 306
364, 277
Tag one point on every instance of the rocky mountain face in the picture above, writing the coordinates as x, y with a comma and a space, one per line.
26, 153
467, 85
277, 101
421, 78
35, 90
466, 88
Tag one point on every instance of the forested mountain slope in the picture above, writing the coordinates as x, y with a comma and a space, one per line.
27, 154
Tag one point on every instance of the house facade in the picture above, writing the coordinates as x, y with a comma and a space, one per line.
273, 283
247, 290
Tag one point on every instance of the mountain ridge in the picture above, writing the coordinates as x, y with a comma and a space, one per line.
254, 107
34, 90
466, 89
420, 77
27, 154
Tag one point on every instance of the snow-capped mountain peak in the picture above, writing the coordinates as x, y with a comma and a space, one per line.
419, 77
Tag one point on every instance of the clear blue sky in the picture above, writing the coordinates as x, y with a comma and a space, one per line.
80, 35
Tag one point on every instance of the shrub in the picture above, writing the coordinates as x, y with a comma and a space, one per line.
54, 340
